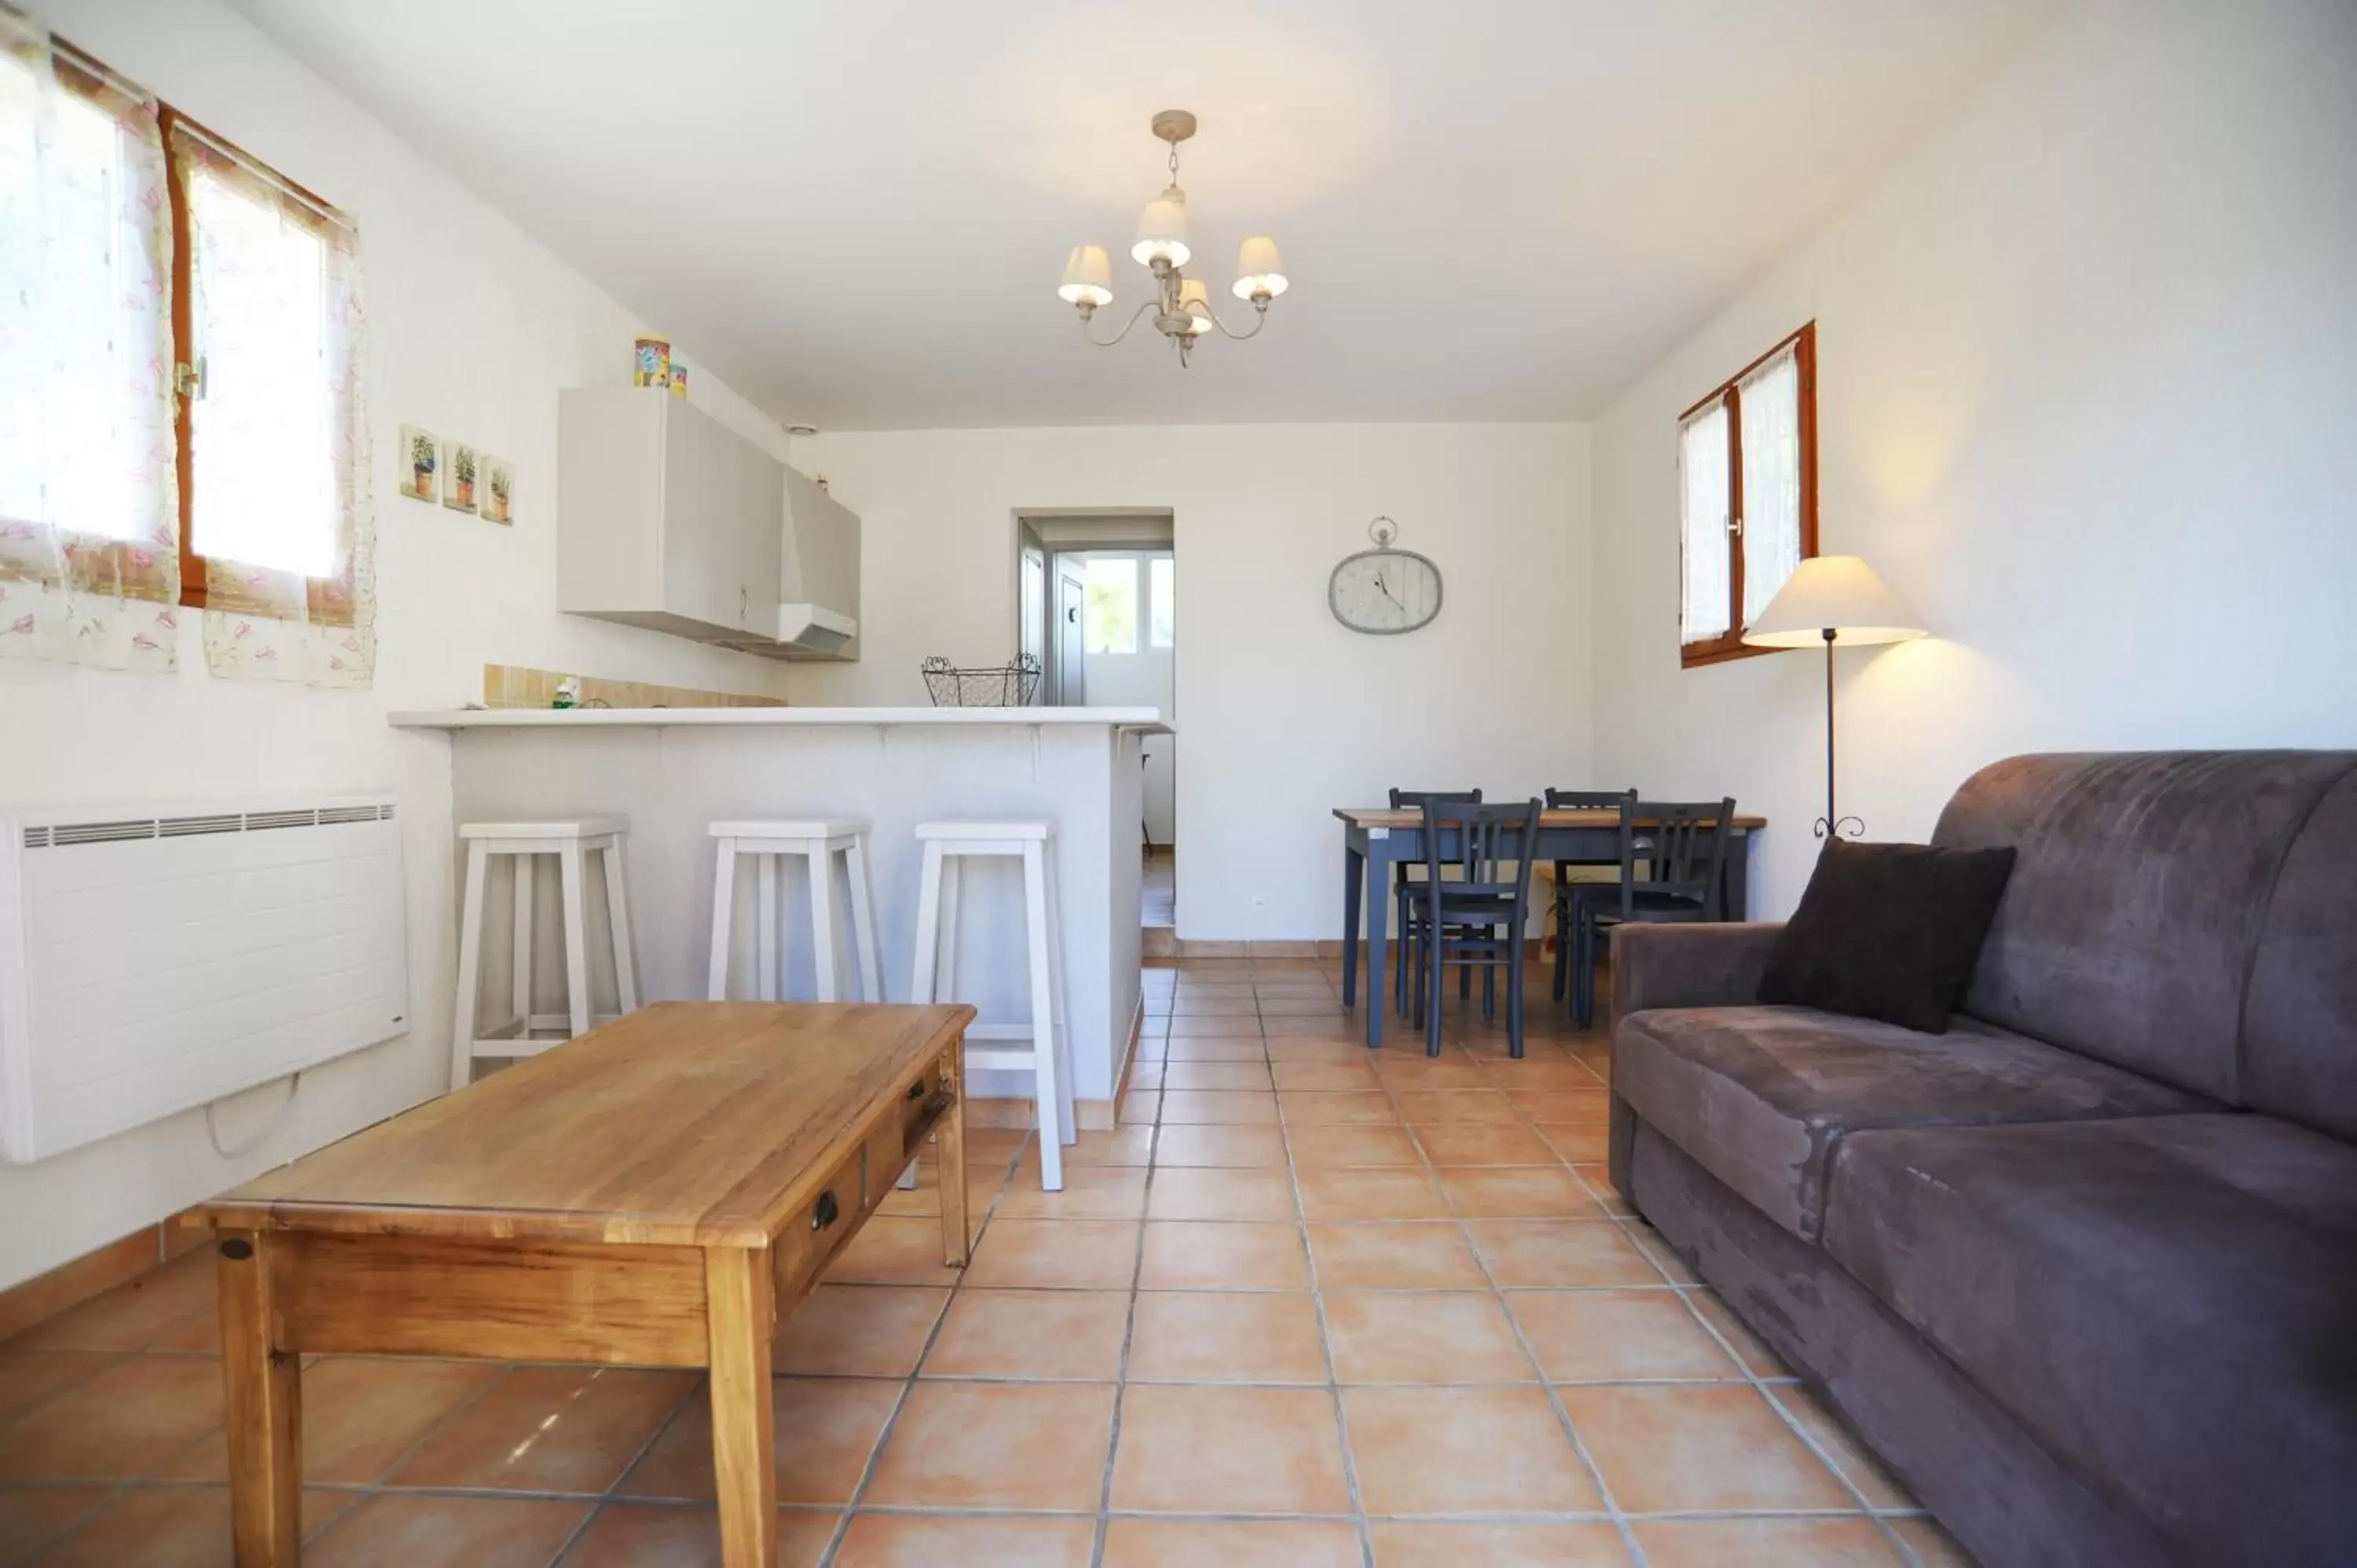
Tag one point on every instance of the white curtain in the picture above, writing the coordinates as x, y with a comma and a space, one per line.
89, 491
1702, 484
1770, 400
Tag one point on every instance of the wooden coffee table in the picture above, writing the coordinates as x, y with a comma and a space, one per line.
660, 1192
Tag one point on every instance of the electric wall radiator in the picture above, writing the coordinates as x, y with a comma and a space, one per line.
150, 962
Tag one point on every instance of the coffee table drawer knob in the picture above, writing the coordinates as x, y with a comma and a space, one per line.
826, 1213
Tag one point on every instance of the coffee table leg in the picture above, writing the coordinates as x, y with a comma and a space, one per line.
264, 1385
740, 1315
956, 1240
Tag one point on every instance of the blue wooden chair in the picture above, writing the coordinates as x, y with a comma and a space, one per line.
1683, 848
1476, 921
1575, 800
1409, 909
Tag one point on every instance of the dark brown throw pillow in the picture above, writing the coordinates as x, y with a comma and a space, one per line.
1888, 931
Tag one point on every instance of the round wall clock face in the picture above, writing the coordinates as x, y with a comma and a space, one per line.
1384, 592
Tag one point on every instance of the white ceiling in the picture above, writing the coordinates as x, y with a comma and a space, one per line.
855, 211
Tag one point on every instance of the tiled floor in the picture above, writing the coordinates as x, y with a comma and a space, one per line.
1307, 1307
1159, 890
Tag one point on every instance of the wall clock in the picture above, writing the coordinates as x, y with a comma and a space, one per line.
1384, 591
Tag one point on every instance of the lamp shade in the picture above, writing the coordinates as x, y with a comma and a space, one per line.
1259, 269
1088, 277
1162, 230
1195, 302
1839, 593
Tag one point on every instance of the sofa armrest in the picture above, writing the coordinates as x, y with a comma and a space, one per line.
1717, 965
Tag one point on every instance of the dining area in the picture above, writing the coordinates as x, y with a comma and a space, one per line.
1445, 883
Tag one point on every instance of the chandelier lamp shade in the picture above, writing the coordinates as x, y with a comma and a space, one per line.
1182, 305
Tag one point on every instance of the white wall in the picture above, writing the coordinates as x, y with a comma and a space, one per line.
472, 330
1288, 715
2088, 387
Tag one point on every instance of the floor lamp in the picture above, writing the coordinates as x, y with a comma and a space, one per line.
1833, 599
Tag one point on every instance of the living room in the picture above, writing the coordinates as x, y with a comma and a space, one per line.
2053, 305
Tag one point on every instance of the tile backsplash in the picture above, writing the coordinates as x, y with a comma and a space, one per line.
513, 686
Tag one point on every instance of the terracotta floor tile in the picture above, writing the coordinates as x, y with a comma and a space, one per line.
866, 1331
1402, 1255
1140, 1108
1597, 1179
1424, 1337
1185, 1192
1483, 1143
894, 1252
164, 1527
549, 1429
1585, 1145
1214, 1026
1229, 1047
1055, 1254
130, 1420
1518, 1192
30, 1378
674, 1535
1339, 1027
1336, 1107
1217, 1075
1559, 1253
1297, 1077
135, 1315
1570, 1105
1032, 1334
1091, 1192
1700, 1449
1231, 1336
361, 1414
887, 1541
998, 1445
1199, 1003
1347, 1145
1608, 1336
1766, 1543
396, 1531
1235, 1147
1406, 1072
1457, 1107
1122, 1146
1464, 1450
1420, 1545
1850, 1455
826, 1428
1219, 1108
1358, 1192
1230, 1543
31, 1515
1230, 1451
1188, 1254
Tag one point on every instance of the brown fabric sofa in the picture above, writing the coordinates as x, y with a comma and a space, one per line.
2082, 1270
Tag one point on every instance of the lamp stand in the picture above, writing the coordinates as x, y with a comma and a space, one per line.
1831, 824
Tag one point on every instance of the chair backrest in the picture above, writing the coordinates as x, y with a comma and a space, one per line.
1682, 845
1492, 844
1588, 799
1416, 800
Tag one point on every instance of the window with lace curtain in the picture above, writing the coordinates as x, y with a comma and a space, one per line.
180, 421
1748, 496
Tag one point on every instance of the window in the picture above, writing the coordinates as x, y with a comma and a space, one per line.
1748, 496
1162, 612
1109, 612
191, 428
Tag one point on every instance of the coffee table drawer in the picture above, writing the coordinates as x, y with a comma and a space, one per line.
822, 1226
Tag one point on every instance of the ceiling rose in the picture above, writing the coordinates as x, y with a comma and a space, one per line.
1182, 305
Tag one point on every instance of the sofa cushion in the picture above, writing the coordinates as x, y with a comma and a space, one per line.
1887, 931
2170, 1305
1760, 1095
2299, 1024
2129, 927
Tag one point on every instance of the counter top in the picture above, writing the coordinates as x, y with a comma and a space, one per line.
1148, 720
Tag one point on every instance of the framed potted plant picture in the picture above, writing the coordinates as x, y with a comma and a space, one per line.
464, 467
498, 489
421, 462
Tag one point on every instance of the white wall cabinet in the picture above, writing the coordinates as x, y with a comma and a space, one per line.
669, 519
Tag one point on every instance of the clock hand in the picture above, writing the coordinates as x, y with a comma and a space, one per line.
1386, 591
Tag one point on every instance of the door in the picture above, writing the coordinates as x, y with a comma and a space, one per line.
1071, 644
1033, 610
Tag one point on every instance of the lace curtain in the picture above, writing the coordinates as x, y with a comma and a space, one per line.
89, 496
1705, 499
1770, 400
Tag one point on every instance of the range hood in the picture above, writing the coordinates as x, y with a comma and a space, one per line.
813, 629
818, 579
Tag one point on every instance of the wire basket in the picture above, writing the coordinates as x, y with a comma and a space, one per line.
1004, 686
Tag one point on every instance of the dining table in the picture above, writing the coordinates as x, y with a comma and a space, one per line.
1376, 838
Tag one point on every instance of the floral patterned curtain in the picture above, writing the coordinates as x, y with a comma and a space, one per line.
88, 493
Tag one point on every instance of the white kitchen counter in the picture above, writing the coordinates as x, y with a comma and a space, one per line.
671, 772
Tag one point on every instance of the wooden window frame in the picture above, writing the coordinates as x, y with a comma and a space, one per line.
1728, 392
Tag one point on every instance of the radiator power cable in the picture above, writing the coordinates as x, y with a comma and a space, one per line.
212, 1129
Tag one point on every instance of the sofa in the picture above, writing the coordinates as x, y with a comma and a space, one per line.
2082, 1270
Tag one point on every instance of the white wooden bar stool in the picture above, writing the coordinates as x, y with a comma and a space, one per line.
1045, 1049
569, 844
818, 843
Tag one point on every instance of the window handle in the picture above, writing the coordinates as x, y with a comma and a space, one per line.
1735, 526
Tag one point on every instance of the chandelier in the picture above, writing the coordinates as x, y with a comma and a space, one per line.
1182, 305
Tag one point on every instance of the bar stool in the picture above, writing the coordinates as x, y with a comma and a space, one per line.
1046, 1039
817, 841
570, 844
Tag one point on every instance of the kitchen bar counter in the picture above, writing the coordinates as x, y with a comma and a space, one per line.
673, 772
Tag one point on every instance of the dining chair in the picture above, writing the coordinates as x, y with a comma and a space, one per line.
1578, 800
1683, 847
1477, 920
1407, 907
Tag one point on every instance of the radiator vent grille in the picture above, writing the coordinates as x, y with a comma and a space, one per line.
58, 835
